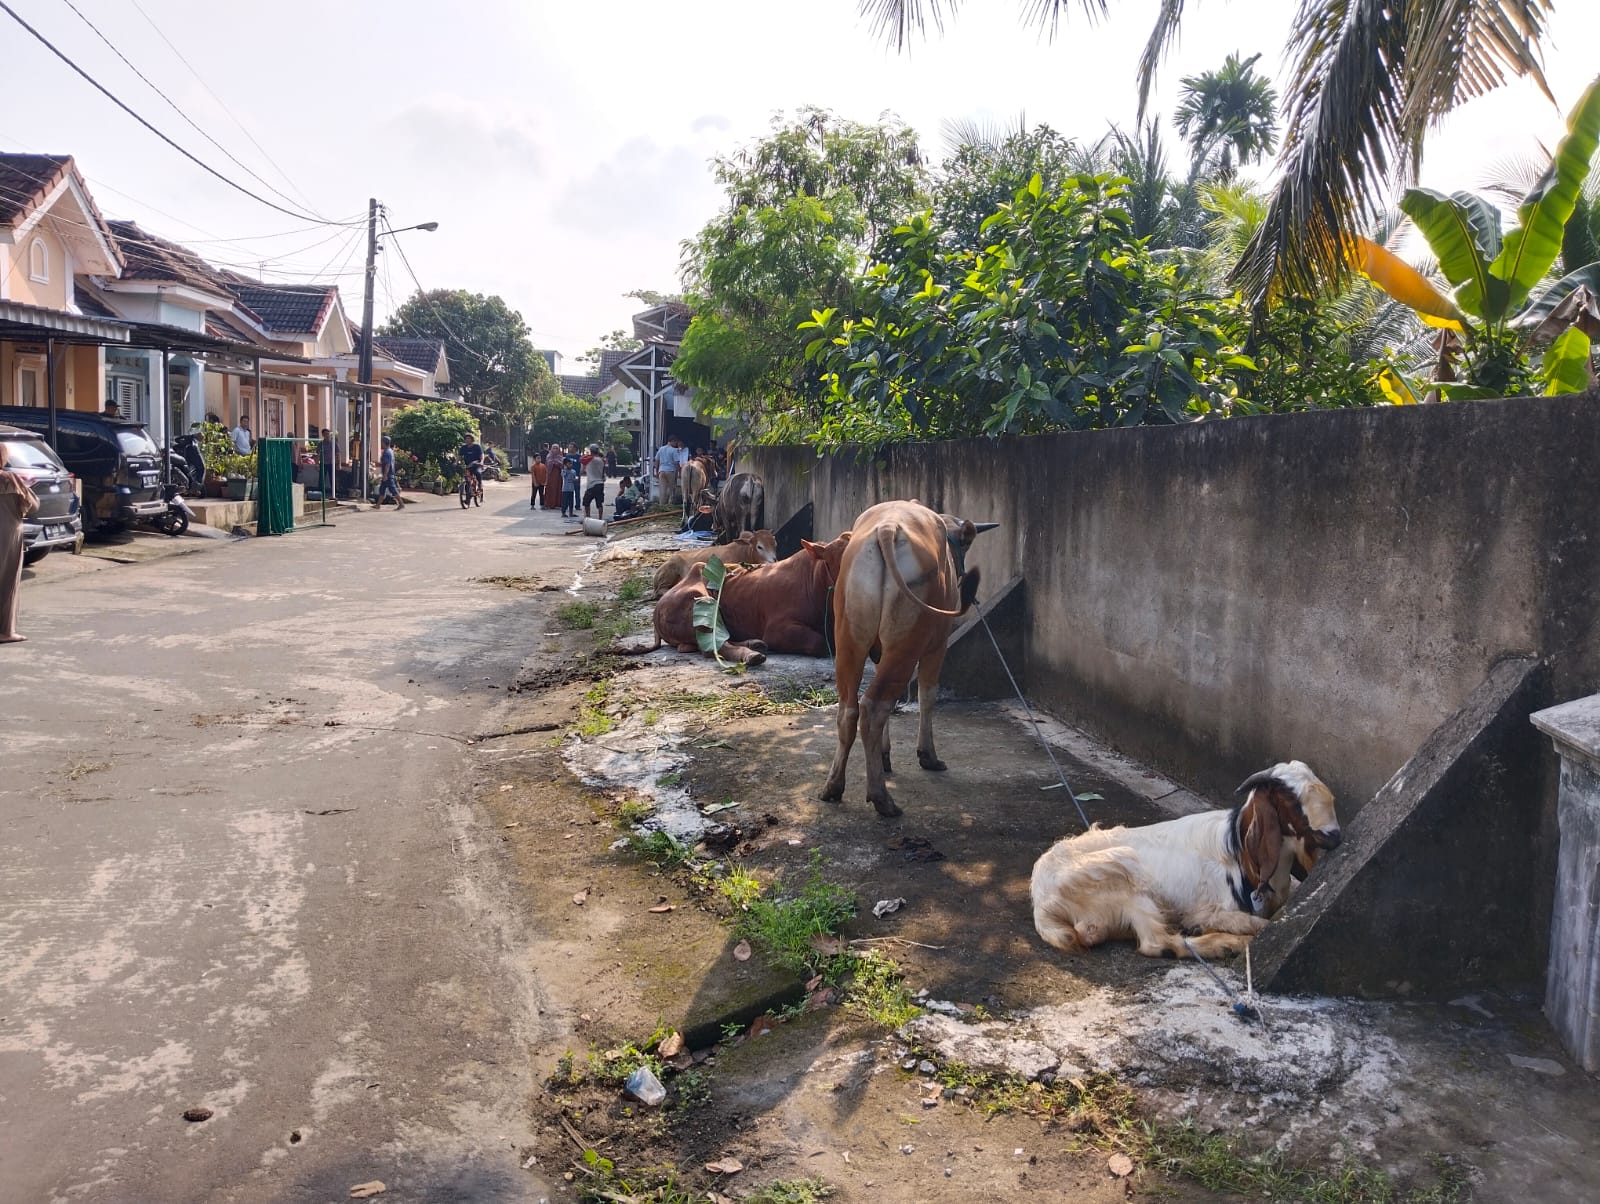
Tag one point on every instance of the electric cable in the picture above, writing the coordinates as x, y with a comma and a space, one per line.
187, 154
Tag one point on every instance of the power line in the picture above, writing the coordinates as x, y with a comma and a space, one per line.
109, 95
423, 294
160, 33
174, 106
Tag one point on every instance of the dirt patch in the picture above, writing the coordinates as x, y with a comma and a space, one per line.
676, 749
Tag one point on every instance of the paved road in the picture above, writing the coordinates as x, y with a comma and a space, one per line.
177, 931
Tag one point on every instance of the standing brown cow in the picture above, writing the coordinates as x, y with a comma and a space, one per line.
902, 583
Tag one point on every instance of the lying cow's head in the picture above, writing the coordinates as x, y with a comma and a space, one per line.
763, 545
831, 553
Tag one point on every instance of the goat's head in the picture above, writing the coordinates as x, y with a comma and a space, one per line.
1286, 802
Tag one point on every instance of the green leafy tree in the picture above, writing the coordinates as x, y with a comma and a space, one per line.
431, 430
1229, 117
617, 340
566, 419
1066, 321
1368, 80
493, 362
803, 206
985, 168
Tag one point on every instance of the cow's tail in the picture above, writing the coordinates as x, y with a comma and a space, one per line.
886, 536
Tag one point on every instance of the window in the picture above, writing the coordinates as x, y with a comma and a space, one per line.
127, 394
39, 261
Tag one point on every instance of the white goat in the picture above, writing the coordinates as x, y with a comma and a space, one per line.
1221, 873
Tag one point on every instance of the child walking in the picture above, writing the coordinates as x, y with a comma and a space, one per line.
569, 490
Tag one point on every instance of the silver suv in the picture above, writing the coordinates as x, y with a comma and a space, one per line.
58, 522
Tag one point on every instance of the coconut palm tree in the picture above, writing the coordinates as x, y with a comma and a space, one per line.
1228, 113
1370, 77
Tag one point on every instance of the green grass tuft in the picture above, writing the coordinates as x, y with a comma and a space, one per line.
577, 616
661, 850
878, 991
785, 928
634, 589
791, 1191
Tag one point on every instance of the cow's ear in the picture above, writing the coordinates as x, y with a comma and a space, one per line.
968, 531
745, 537
814, 549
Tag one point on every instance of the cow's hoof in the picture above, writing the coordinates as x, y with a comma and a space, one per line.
831, 795
930, 763
757, 646
886, 807
755, 658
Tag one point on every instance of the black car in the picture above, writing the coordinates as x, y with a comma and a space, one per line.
118, 463
57, 523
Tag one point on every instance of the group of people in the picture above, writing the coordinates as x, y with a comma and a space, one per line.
670, 458
569, 478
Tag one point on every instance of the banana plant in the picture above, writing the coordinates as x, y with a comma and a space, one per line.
1492, 273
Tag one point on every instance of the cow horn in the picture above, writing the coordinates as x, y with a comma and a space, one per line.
980, 528
1265, 778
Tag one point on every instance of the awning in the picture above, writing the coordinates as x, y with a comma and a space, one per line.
31, 323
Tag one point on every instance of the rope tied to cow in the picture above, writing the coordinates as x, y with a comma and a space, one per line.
1037, 730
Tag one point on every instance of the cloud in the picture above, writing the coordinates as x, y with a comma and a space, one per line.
710, 121
450, 131
643, 190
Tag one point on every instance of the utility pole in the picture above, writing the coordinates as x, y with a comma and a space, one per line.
364, 370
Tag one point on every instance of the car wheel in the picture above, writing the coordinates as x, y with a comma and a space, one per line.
35, 555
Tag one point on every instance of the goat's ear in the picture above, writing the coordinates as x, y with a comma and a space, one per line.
1264, 778
1261, 841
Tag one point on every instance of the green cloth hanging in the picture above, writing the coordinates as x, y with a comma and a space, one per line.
275, 486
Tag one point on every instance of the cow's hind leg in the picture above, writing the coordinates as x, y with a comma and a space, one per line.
888, 684
927, 697
847, 667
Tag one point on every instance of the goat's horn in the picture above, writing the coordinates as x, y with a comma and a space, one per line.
1264, 778
980, 528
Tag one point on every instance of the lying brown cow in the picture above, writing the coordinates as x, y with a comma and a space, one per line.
752, 547
779, 607
902, 583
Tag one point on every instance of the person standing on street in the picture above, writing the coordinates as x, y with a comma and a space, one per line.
540, 472
388, 483
669, 458
594, 480
241, 436
569, 489
17, 502
552, 482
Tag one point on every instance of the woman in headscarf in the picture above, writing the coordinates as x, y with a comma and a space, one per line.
17, 501
553, 464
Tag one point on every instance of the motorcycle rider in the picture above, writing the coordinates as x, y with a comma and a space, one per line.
472, 460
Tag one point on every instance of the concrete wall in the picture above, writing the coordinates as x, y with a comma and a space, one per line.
1217, 597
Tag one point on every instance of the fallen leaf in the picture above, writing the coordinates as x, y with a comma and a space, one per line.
364, 1191
516, 823
820, 999
725, 1166
672, 1046
196, 1115
826, 945
741, 951
814, 983
662, 908
581, 897
762, 1025
683, 1061
1120, 1165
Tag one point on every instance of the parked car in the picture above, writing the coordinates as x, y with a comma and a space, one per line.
57, 523
118, 463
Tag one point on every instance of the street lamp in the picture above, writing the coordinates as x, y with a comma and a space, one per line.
364, 365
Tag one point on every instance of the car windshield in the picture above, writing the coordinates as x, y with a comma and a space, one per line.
134, 442
31, 453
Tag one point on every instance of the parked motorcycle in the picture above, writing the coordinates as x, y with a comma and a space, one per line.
183, 471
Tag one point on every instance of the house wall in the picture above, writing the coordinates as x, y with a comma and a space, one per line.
21, 287
1216, 597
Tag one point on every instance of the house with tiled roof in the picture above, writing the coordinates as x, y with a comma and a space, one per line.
50, 230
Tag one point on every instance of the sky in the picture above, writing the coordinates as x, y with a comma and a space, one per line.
564, 148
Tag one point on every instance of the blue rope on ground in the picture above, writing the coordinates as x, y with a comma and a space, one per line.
1037, 730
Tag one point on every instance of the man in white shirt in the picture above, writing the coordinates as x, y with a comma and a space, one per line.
669, 458
241, 435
